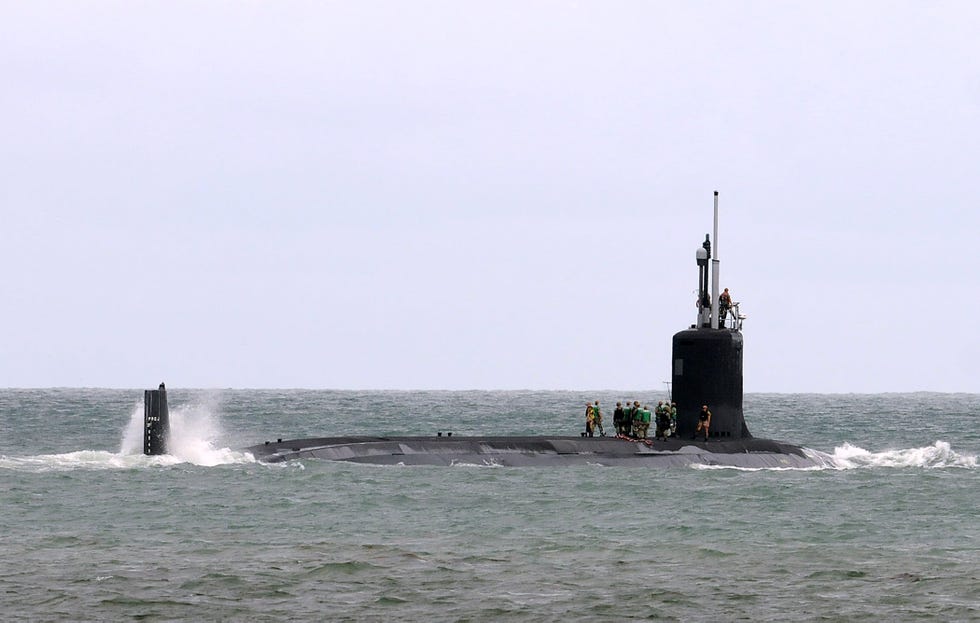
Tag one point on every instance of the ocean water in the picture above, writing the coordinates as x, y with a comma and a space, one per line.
91, 530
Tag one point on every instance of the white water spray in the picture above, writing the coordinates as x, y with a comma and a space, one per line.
193, 434
193, 431
938, 455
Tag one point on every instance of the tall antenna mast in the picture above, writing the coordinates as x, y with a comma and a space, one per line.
715, 269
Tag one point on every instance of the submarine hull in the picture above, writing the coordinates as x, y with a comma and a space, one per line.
706, 381
538, 451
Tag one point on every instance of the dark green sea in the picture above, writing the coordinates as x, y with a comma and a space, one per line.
91, 530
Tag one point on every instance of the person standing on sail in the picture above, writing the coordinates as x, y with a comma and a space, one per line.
724, 304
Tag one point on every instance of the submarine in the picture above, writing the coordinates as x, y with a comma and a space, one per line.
706, 364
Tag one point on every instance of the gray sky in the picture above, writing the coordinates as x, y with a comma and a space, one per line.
486, 194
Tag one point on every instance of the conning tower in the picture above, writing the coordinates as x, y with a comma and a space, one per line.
156, 421
707, 358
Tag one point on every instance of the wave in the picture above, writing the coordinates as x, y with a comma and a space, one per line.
193, 431
938, 455
101, 459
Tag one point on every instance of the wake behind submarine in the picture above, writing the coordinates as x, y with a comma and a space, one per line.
706, 369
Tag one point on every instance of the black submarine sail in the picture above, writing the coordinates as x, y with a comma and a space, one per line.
706, 360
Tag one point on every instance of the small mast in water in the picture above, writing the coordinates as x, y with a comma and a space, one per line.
156, 421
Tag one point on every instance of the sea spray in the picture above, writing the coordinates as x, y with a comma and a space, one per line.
847, 456
938, 455
194, 429
132, 439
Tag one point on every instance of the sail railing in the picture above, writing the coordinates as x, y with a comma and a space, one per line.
732, 318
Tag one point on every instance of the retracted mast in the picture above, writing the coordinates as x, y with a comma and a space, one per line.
715, 270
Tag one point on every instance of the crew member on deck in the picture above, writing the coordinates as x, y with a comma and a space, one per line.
628, 419
618, 416
597, 415
643, 426
589, 419
704, 422
663, 421
658, 419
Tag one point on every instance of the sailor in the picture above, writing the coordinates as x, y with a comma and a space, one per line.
663, 421
589, 419
673, 418
597, 414
704, 422
633, 418
618, 416
724, 304
662, 415
657, 412
644, 425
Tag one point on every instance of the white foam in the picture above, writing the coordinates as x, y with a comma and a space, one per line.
938, 455
809, 468
84, 459
485, 463
193, 435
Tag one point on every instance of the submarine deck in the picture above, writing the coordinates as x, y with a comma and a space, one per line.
537, 451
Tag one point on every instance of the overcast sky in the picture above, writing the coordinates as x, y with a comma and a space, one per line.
491, 195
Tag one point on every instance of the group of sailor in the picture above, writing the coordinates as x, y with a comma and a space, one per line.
633, 421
